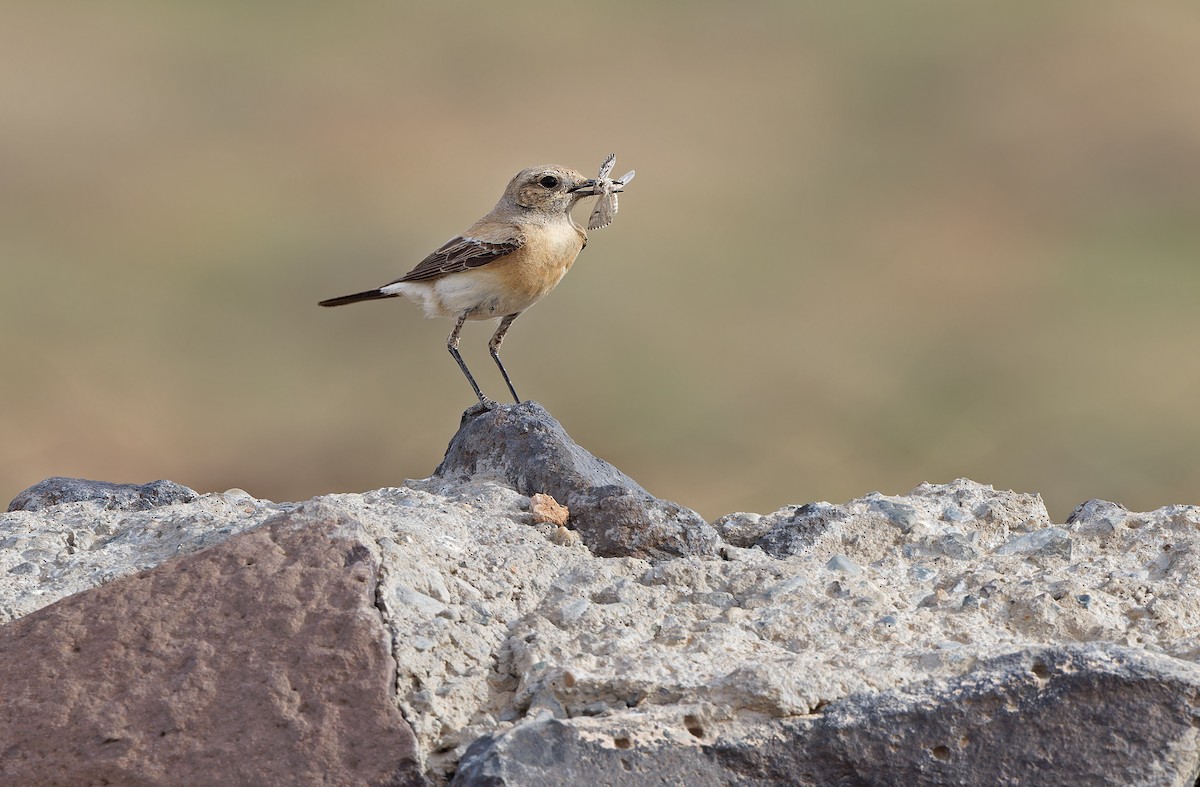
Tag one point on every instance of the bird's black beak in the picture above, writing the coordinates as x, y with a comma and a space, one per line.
585, 189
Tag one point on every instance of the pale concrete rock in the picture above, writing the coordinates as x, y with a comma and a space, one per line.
742, 529
66, 548
960, 520
495, 621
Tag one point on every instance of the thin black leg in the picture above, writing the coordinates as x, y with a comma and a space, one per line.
494, 349
452, 346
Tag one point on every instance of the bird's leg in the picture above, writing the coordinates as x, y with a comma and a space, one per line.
452, 346
494, 349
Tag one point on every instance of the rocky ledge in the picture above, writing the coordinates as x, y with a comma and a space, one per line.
452, 629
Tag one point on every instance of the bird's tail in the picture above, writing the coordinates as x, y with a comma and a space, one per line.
367, 295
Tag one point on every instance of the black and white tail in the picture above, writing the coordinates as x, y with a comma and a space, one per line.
367, 295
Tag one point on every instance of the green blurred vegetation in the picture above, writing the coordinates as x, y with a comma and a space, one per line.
869, 245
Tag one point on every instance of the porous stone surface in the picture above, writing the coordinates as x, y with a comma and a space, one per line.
261, 660
1062, 715
46, 554
523, 447
952, 634
127, 497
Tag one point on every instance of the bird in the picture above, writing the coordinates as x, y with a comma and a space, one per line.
503, 264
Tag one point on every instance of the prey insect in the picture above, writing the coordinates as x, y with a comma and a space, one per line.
606, 193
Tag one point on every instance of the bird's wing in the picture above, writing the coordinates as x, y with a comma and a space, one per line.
466, 252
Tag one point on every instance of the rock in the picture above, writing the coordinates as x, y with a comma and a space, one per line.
524, 447
545, 509
959, 520
126, 497
901, 515
843, 564
742, 529
49, 554
548, 752
870, 622
262, 659
1050, 541
1032, 717
951, 544
1098, 516
1047, 716
993, 513
795, 532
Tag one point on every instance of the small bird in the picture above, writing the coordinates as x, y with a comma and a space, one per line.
504, 263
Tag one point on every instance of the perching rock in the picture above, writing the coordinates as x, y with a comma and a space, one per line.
261, 660
523, 447
125, 497
953, 634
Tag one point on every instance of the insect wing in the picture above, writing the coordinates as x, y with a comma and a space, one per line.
602, 214
606, 202
607, 166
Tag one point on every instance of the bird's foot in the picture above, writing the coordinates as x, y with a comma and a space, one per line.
485, 404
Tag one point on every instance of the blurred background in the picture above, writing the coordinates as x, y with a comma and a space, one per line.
869, 245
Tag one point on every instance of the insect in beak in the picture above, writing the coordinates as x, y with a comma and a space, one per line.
607, 189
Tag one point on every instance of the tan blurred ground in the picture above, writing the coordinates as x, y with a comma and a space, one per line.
869, 244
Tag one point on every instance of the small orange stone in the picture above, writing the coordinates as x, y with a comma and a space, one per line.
546, 509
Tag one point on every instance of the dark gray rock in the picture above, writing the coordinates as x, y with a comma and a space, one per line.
550, 752
525, 448
1095, 714
796, 533
126, 497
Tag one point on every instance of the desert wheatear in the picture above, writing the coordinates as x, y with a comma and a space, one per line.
506, 262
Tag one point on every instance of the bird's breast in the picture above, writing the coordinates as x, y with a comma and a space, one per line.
538, 266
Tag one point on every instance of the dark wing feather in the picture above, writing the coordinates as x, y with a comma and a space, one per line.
460, 254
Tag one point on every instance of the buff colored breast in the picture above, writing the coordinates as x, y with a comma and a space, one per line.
538, 267
508, 285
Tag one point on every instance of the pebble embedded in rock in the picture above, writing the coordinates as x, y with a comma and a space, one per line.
1050, 541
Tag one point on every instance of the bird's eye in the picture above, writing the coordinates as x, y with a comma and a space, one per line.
549, 181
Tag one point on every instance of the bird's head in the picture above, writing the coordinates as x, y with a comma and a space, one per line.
550, 189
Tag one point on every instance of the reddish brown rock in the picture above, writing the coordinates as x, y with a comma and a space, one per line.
262, 660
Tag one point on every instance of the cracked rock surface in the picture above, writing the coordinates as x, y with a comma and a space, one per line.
260, 660
954, 634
